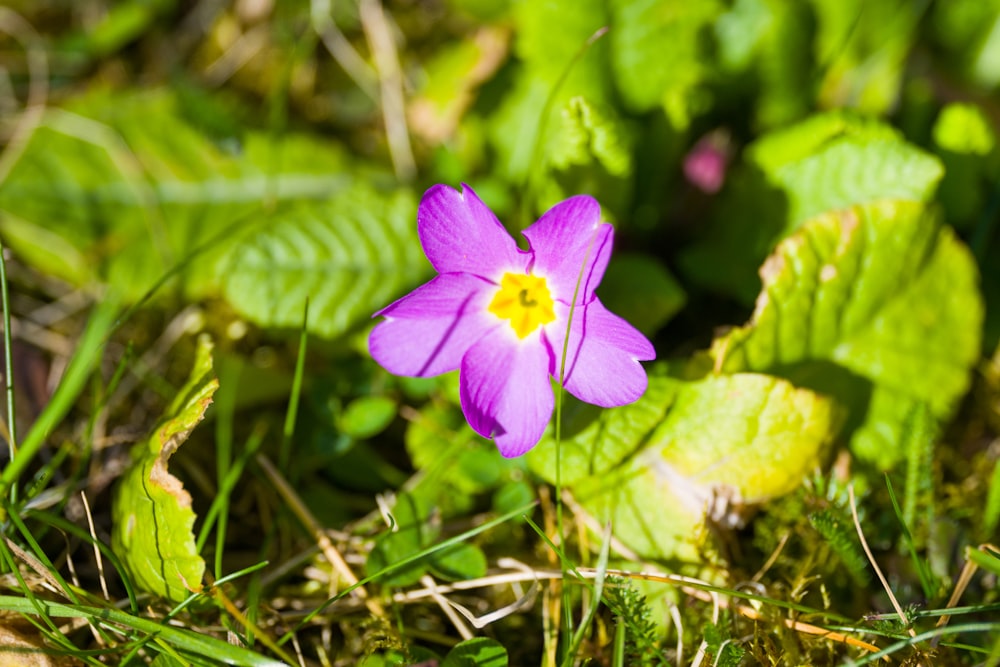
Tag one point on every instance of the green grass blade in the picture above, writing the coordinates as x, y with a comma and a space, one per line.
182, 640
293, 402
88, 352
926, 580
8, 358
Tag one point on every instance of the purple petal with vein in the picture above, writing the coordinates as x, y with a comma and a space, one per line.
505, 390
459, 233
604, 369
429, 330
568, 234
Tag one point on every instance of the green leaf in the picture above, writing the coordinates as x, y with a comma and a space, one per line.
545, 54
461, 562
153, 521
964, 128
589, 150
96, 196
595, 440
755, 436
658, 52
392, 548
847, 171
966, 144
836, 160
685, 448
863, 46
828, 162
883, 292
367, 416
477, 652
411, 531
348, 256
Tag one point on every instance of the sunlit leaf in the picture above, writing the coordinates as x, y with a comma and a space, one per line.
153, 520
837, 160
686, 451
882, 291
96, 196
830, 161
348, 257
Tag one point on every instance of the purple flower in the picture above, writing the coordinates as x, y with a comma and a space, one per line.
499, 314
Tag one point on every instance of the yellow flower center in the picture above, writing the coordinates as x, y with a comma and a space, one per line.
525, 301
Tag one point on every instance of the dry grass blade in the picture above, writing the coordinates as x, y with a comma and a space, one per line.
331, 553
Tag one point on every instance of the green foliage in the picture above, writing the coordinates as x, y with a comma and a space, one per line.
346, 255
477, 652
717, 445
238, 160
412, 532
658, 54
642, 646
840, 536
722, 647
863, 45
966, 145
367, 416
830, 161
881, 291
591, 151
153, 524
96, 196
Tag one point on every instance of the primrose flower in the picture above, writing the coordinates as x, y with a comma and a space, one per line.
498, 314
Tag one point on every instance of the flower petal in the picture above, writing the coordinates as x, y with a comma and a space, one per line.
505, 390
569, 234
429, 330
459, 233
602, 360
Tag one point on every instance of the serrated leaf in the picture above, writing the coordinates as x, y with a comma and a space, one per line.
849, 172
348, 256
836, 160
589, 135
153, 524
589, 149
830, 161
96, 196
879, 290
546, 55
477, 652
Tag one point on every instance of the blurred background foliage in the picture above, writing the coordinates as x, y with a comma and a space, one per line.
826, 169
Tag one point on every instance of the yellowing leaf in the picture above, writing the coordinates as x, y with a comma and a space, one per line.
689, 451
880, 292
153, 519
